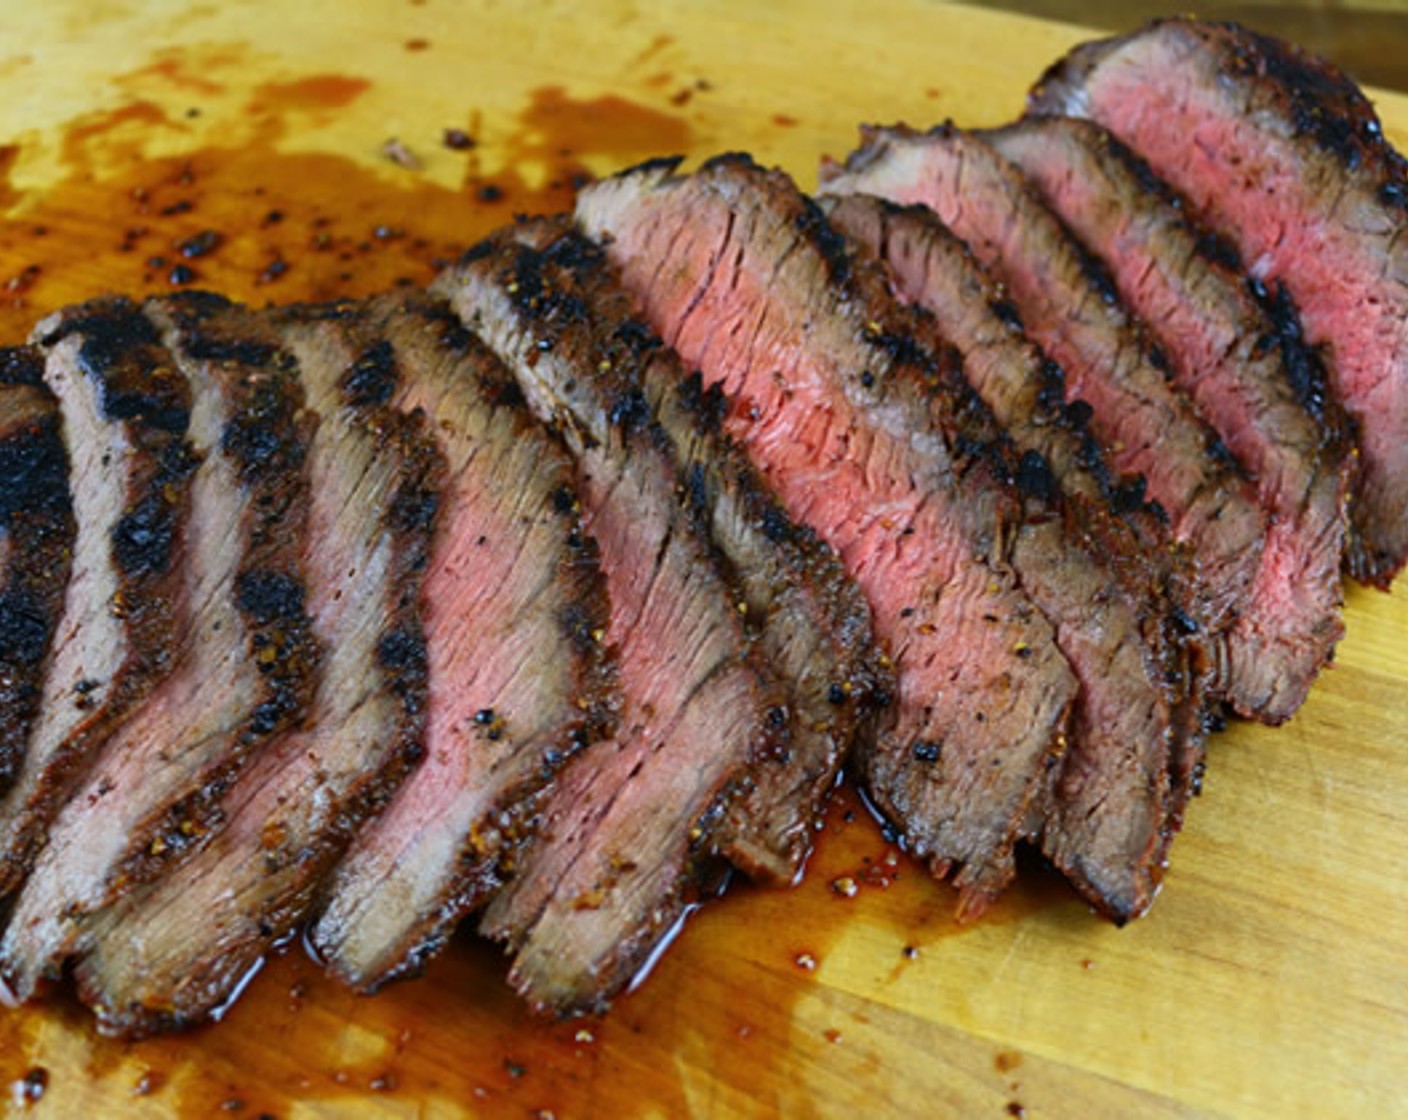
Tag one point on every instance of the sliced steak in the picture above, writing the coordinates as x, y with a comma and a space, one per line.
1280, 153
835, 398
1070, 308
171, 954
1237, 350
1116, 804
514, 612
810, 622
36, 546
629, 834
125, 409
243, 666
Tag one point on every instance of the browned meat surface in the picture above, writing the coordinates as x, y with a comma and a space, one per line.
171, 954
810, 622
1070, 309
1124, 780
1237, 350
242, 667
859, 428
1281, 154
125, 410
514, 613
627, 835
36, 546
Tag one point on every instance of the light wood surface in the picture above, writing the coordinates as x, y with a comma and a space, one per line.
1271, 977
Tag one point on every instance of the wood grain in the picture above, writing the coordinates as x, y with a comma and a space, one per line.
1271, 978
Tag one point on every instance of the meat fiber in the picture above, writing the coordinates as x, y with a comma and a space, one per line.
241, 670
1236, 348
125, 410
857, 427
172, 954
1280, 153
36, 546
1127, 772
627, 837
515, 611
809, 621
1070, 308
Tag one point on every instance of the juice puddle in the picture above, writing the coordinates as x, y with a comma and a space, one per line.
721, 1014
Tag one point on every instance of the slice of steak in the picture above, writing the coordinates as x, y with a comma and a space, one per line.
36, 546
809, 620
1070, 308
1116, 805
1236, 349
834, 397
125, 410
627, 843
1280, 153
171, 954
242, 667
514, 612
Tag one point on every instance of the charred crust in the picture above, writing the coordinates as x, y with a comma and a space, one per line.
120, 350
708, 406
270, 596
25, 628
1321, 102
403, 652
21, 365
811, 223
1303, 367
372, 379
1217, 250
34, 473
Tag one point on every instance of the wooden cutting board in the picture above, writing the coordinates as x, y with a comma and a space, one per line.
311, 139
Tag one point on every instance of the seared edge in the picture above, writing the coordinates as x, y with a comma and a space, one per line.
1237, 347
172, 954
497, 733
810, 621
242, 670
1114, 808
1321, 132
629, 834
126, 409
36, 545
853, 345
1070, 306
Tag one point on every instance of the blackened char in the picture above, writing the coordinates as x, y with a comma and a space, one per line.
1235, 347
242, 667
835, 399
629, 836
1125, 778
1280, 153
810, 622
125, 409
171, 954
36, 546
514, 616
1071, 309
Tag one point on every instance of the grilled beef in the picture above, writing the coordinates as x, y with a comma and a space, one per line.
241, 671
1280, 153
1236, 349
125, 411
856, 424
810, 622
1128, 769
514, 613
36, 546
171, 954
1070, 308
624, 846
